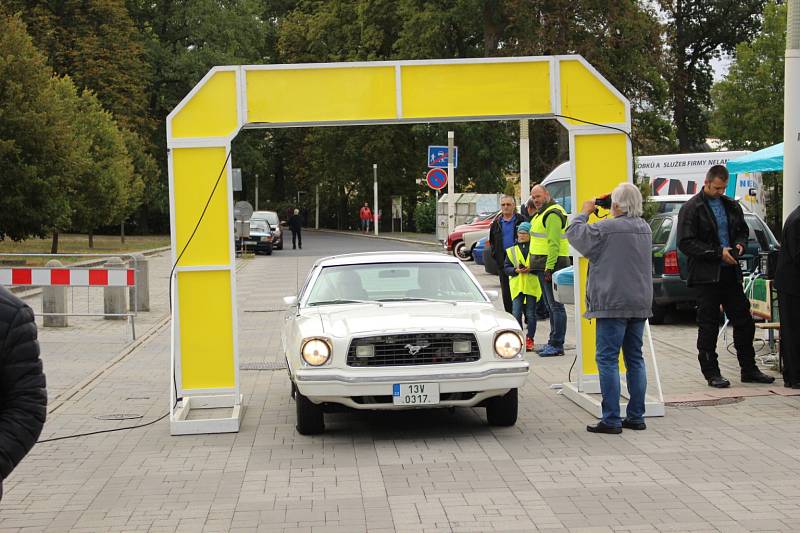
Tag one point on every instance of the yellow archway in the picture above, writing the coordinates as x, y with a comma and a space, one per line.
199, 134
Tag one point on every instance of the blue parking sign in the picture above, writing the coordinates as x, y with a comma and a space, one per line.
437, 157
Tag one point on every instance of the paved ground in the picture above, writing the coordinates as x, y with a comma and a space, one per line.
724, 468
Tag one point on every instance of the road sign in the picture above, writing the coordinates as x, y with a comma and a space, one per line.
437, 157
236, 178
437, 178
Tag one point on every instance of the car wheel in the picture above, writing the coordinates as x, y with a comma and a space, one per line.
460, 251
310, 418
659, 314
502, 410
280, 246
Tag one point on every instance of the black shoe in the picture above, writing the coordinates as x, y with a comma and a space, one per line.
600, 427
718, 382
756, 376
636, 426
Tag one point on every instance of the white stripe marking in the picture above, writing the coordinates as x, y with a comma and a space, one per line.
117, 278
40, 277
79, 278
5, 276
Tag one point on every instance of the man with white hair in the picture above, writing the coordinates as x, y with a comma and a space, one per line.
619, 295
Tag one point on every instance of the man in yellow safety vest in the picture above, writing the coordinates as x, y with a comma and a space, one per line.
523, 284
550, 253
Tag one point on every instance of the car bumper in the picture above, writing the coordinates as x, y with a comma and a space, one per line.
349, 387
668, 290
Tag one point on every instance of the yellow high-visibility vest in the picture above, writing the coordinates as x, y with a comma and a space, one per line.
539, 232
522, 283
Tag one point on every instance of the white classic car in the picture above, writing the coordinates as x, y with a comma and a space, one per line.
399, 330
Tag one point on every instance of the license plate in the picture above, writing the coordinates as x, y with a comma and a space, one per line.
415, 393
250, 242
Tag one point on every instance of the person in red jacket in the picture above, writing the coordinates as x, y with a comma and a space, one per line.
365, 214
23, 396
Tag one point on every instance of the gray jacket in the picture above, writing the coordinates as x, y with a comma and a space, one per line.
620, 283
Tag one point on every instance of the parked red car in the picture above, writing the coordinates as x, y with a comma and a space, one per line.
455, 241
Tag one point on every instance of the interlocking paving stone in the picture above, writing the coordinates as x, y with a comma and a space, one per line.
717, 468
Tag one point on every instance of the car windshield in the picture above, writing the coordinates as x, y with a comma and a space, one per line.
256, 224
402, 281
269, 216
669, 207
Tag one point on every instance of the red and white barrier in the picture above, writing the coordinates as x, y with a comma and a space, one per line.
78, 277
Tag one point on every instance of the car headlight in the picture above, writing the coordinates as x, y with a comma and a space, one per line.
316, 352
507, 345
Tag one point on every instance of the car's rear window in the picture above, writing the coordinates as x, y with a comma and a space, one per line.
661, 228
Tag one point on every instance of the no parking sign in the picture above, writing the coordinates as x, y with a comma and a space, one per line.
436, 178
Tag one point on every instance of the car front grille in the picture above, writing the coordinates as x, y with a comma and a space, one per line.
413, 349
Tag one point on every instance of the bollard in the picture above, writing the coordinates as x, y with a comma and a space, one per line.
140, 295
114, 301
54, 300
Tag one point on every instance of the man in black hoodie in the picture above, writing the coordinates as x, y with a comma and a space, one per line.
787, 283
23, 397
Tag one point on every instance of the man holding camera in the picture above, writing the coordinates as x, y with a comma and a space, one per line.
712, 233
619, 294
787, 282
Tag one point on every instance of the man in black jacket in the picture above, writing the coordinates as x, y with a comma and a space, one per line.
23, 397
787, 283
296, 225
712, 233
502, 235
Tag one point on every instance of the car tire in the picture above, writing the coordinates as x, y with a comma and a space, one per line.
460, 251
502, 410
310, 418
280, 246
660, 313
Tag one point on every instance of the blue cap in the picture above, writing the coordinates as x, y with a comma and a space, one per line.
525, 227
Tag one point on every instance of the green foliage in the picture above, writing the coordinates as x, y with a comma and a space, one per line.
425, 215
40, 152
697, 32
748, 103
649, 207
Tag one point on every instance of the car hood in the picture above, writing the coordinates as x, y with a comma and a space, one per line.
357, 319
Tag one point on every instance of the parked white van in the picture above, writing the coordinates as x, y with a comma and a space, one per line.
673, 175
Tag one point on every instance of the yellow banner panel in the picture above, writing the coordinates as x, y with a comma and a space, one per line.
195, 170
206, 330
211, 112
476, 90
601, 163
321, 94
584, 96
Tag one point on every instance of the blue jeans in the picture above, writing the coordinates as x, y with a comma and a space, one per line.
558, 315
530, 311
613, 334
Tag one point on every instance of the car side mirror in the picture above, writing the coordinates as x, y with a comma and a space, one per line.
493, 295
290, 300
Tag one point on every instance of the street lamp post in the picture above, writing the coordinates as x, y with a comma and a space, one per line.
375, 203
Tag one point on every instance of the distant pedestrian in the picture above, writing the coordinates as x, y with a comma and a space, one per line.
542, 309
502, 235
787, 283
23, 396
296, 225
712, 233
550, 254
365, 215
619, 295
523, 284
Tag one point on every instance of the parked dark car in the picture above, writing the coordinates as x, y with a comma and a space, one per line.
670, 266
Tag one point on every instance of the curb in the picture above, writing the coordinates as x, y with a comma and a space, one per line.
399, 239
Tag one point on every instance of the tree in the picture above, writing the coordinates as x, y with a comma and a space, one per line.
107, 189
748, 103
697, 32
40, 151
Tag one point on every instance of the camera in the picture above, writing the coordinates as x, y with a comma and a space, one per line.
603, 201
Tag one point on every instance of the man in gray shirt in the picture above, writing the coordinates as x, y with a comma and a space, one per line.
619, 294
